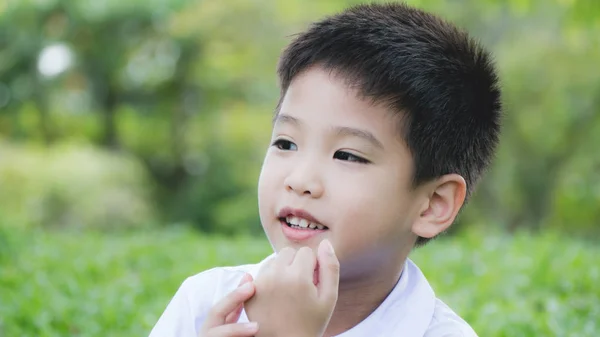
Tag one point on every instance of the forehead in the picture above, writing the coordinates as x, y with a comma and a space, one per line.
318, 97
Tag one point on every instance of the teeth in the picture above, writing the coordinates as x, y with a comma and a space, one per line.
303, 223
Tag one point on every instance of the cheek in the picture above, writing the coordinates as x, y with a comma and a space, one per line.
373, 207
268, 181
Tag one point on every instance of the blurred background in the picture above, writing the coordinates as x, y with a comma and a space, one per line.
132, 134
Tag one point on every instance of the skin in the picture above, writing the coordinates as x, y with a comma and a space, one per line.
290, 303
222, 318
342, 159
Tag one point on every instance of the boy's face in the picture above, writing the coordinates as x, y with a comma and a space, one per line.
315, 170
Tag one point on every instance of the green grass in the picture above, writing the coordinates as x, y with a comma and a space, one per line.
92, 284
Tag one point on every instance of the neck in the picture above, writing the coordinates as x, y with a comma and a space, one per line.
361, 295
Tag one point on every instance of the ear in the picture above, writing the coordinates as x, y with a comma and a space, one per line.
439, 210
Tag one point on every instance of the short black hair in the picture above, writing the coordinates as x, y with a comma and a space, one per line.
440, 81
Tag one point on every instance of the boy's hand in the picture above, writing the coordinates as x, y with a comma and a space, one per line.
222, 318
287, 301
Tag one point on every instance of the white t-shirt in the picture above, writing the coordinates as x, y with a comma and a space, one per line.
411, 309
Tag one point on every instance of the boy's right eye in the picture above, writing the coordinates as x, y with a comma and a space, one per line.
285, 145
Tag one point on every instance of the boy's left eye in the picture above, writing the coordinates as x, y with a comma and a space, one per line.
343, 155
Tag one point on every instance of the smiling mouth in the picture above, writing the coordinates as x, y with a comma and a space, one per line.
300, 223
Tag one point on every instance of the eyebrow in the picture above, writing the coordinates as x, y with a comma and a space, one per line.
286, 119
339, 130
352, 132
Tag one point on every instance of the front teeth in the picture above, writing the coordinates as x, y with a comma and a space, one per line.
303, 223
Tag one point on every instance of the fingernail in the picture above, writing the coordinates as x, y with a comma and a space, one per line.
252, 326
329, 247
244, 279
246, 287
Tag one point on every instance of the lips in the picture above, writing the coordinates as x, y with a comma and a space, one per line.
300, 226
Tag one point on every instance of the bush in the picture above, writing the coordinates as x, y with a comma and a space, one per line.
72, 187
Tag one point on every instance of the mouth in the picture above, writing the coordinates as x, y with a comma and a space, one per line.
300, 220
300, 223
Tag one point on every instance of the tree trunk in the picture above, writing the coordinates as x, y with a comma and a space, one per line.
110, 133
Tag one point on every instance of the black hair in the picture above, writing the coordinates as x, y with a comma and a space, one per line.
438, 79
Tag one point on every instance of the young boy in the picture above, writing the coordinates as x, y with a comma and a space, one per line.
387, 118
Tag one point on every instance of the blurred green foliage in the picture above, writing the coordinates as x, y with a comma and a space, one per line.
182, 93
117, 284
116, 116
66, 187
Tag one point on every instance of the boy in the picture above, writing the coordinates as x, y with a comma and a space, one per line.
387, 118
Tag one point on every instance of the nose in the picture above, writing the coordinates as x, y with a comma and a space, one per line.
304, 179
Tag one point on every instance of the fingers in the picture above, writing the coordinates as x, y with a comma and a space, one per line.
305, 261
228, 304
245, 279
234, 330
285, 256
329, 271
234, 316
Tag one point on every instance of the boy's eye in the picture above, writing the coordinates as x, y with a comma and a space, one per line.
342, 155
285, 145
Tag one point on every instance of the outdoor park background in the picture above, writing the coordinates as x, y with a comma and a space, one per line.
132, 133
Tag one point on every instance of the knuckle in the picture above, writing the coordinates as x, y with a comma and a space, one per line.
334, 266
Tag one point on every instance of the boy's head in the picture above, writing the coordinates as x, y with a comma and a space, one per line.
388, 116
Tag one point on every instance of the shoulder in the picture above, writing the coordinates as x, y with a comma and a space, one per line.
446, 323
206, 288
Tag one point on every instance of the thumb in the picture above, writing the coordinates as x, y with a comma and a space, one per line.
329, 272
